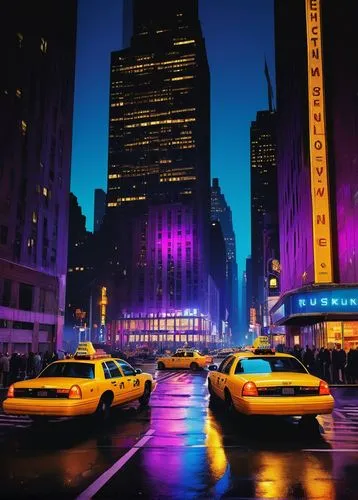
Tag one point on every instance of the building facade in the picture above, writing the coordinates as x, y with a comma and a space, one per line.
99, 208
318, 177
158, 198
264, 224
36, 105
220, 211
218, 268
80, 279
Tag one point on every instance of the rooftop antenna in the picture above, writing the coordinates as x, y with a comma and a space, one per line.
269, 88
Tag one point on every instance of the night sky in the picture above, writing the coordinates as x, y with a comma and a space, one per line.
239, 35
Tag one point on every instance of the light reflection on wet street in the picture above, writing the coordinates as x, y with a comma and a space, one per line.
196, 451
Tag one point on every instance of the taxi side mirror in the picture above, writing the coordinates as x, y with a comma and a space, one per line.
212, 368
138, 371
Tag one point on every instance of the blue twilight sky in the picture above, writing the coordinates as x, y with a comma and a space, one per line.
239, 35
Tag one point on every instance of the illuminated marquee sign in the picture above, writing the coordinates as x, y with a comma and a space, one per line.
322, 248
333, 301
326, 301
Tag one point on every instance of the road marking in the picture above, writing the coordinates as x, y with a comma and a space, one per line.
7, 418
9, 424
106, 476
169, 375
331, 450
340, 414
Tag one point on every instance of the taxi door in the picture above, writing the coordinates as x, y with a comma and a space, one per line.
132, 381
222, 376
177, 360
115, 380
188, 359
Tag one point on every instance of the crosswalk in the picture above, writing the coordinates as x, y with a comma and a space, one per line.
14, 422
342, 426
20, 422
10, 423
340, 429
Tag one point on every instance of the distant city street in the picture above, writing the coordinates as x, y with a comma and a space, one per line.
179, 448
179, 249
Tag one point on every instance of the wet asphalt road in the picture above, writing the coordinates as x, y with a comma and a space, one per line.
181, 448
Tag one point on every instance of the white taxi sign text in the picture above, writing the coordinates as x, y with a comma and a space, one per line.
85, 349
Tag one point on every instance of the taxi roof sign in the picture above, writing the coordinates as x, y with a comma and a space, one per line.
85, 350
261, 345
261, 342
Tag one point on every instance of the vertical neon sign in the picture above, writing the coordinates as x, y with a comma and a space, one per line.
321, 223
103, 305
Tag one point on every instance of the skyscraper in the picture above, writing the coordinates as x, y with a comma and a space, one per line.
218, 267
317, 171
158, 173
127, 23
99, 208
36, 105
263, 200
221, 212
81, 274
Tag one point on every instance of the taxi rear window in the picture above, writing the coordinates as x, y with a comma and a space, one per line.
71, 369
269, 365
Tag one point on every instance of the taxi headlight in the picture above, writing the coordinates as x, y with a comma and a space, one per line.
324, 389
250, 389
75, 392
11, 391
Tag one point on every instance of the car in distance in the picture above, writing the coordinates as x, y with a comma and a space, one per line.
89, 383
262, 382
222, 353
185, 358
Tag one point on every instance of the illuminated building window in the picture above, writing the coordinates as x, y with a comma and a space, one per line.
20, 39
34, 217
184, 42
23, 127
43, 45
18, 93
45, 191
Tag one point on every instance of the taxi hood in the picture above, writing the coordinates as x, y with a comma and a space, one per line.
282, 378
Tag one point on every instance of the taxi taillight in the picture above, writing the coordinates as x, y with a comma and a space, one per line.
11, 391
250, 389
324, 389
75, 392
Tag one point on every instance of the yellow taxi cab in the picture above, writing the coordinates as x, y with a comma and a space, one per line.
89, 383
263, 382
185, 358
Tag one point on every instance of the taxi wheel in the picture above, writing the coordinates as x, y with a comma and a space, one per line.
229, 403
211, 390
104, 405
194, 367
214, 400
161, 365
144, 400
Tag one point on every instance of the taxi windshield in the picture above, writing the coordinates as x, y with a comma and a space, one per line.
71, 369
272, 364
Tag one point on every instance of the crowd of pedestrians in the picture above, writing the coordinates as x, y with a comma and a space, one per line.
21, 366
336, 366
